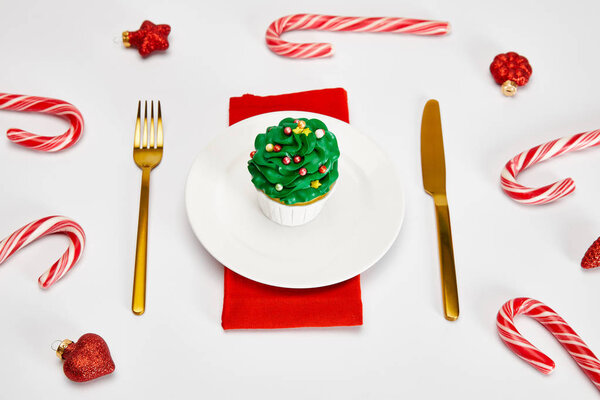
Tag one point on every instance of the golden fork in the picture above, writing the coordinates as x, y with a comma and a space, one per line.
147, 155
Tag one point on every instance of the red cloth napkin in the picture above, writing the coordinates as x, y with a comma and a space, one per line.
251, 305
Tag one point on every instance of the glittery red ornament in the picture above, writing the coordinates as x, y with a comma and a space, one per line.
322, 169
277, 148
86, 359
148, 39
510, 70
297, 159
286, 160
591, 259
287, 130
302, 171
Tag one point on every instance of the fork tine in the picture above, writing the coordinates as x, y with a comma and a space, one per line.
152, 124
159, 139
145, 137
136, 138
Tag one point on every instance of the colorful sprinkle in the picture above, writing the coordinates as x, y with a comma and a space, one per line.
301, 124
297, 159
277, 148
287, 130
252, 153
320, 133
279, 187
322, 169
302, 171
286, 160
269, 147
315, 184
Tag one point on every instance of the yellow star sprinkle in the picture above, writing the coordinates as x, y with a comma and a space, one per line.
299, 130
315, 184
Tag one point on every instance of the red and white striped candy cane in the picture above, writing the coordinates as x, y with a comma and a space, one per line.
335, 23
557, 326
17, 102
554, 148
41, 228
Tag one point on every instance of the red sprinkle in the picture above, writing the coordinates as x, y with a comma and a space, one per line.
286, 160
322, 169
252, 153
277, 148
302, 171
287, 130
297, 159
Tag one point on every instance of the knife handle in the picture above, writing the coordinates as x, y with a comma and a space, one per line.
449, 289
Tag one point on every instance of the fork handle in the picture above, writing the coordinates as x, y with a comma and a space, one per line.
138, 302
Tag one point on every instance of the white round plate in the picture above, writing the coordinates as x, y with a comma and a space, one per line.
357, 226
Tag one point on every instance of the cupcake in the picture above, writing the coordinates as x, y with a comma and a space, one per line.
294, 168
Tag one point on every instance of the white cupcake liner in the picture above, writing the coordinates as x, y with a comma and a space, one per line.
291, 215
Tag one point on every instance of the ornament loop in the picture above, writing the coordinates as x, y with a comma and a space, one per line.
55, 344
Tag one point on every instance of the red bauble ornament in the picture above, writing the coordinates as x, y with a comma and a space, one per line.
148, 39
86, 359
277, 148
252, 153
322, 169
510, 70
297, 159
286, 160
591, 259
302, 171
287, 130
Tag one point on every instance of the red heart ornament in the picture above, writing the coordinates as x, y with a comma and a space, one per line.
88, 358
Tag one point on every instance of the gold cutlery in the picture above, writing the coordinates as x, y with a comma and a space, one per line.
147, 153
434, 180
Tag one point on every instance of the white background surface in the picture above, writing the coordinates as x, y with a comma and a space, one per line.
65, 49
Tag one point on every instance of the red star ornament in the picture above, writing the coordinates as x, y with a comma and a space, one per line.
148, 39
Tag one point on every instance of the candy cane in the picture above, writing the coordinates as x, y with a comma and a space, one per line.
554, 148
557, 326
334, 23
16, 102
41, 228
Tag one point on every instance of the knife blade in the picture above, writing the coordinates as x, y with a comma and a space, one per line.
433, 166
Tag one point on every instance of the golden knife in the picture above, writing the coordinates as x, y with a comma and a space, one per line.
434, 180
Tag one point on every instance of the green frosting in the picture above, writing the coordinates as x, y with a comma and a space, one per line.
269, 172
